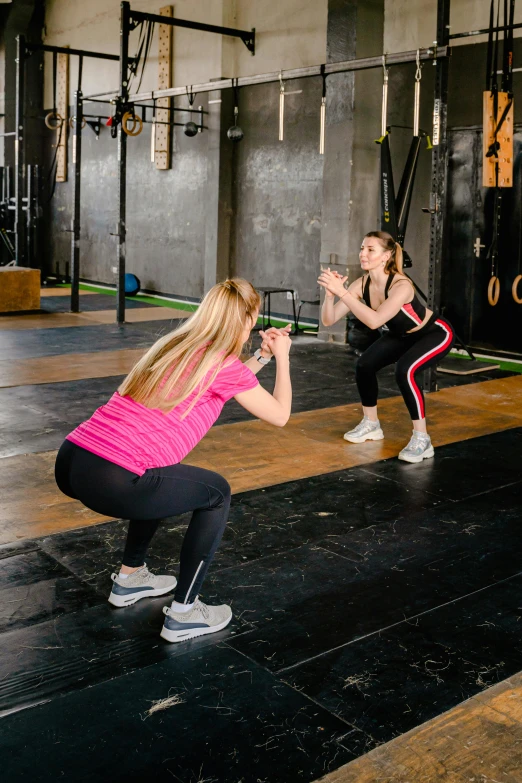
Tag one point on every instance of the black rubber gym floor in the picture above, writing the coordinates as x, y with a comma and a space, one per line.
366, 602
62, 304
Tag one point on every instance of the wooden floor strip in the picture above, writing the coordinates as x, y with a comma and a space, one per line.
480, 740
68, 367
252, 455
63, 292
89, 318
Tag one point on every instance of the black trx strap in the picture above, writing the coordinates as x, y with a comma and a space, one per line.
388, 216
80, 70
403, 201
191, 96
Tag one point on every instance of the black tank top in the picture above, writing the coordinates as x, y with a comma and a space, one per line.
409, 316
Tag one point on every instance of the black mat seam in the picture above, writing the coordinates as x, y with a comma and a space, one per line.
407, 620
275, 676
446, 502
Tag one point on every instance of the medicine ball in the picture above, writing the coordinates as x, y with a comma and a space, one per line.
132, 284
360, 336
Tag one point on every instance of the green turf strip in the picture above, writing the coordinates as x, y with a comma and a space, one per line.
504, 365
147, 299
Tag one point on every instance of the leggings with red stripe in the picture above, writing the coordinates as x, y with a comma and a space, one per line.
411, 353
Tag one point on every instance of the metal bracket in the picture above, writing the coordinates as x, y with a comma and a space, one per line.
95, 125
248, 37
250, 41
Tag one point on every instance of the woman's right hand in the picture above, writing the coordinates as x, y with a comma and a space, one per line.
328, 294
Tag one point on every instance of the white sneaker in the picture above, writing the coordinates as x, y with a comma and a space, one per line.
418, 448
366, 430
200, 620
140, 584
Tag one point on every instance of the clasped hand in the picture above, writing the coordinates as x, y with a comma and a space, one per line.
276, 342
332, 282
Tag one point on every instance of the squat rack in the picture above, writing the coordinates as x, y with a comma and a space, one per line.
23, 50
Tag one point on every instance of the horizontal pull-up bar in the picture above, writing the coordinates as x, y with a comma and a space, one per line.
364, 63
484, 32
247, 36
32, 47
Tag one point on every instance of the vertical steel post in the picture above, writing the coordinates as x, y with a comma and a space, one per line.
439, 171
36, 217
29, 217
122, 160
75, 223
19, 150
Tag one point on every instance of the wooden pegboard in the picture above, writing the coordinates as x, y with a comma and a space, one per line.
62, 107
504, 138
162, 137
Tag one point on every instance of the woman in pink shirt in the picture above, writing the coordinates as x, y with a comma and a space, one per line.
125, 461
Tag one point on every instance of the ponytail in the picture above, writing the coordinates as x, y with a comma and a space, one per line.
397, 257
395, 261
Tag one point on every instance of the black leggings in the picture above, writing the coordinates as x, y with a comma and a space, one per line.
411, 353
145, 500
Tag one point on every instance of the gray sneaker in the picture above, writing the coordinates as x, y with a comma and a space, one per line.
366, 430
140, 584
418, 448
200, 620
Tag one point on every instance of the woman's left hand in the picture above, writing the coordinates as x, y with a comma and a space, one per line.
333, 282
269, 336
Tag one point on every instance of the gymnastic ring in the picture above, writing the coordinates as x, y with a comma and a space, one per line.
137, 125
72, 122
493, 291
514, 289
53, 116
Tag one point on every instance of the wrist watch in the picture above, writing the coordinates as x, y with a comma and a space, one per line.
260, 358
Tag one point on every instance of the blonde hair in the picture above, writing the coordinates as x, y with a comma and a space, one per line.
191, 356
394, 263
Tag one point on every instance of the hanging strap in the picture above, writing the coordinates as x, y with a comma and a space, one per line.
191, 96
384, 113
489, 60
235, 89
55, 78
507, 63
80, 70
416, 100
323, 75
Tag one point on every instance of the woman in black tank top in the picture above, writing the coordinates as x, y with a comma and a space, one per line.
412, 336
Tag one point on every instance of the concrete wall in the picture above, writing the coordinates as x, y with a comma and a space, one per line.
176, 219
278, 190
288, 35
410, 24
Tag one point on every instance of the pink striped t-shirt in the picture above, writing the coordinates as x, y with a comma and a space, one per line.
138, 438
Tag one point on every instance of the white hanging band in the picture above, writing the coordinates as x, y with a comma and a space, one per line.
384, 97
153, 134
281, 106
323, 114
416, 100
